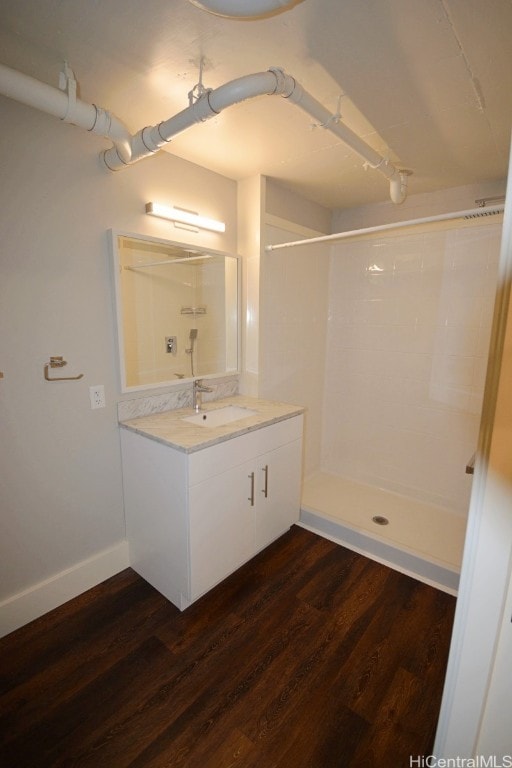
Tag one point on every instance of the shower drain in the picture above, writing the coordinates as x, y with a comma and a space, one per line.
380, 520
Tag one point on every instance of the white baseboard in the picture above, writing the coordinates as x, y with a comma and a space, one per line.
46, 595
427, 571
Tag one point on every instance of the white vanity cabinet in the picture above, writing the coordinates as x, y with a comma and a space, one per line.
194, 518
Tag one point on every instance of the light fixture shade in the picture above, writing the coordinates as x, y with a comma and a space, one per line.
184, 217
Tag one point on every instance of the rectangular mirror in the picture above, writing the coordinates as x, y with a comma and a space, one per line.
177, 309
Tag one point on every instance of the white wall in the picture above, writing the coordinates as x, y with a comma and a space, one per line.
289, 206
251, 203
410, 315
416, 205
60, 480
293, 310
294, 286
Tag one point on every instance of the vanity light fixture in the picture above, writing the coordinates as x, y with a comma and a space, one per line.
182, 216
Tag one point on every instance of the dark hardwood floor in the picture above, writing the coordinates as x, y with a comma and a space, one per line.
310, 656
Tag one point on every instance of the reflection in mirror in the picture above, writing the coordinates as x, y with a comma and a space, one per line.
177, 311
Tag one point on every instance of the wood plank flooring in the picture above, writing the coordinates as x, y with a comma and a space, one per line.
310, 656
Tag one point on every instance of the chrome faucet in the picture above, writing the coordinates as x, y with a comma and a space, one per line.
199, 388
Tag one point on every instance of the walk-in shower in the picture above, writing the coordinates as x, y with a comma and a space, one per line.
395, 394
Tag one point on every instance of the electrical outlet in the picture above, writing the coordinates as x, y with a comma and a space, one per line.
97, 396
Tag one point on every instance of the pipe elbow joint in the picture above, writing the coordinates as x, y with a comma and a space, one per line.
143, 144
398, 187
109, 126
111, 160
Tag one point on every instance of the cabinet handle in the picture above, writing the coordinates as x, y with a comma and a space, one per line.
265, 487
251, 497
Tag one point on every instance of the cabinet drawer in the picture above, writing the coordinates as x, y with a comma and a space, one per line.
231, 453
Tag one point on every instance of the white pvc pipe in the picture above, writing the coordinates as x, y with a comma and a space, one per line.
238, 9
312, 107
44, 97
397, 178
150, 139
129, 149
471, 213
53, 101
273, 82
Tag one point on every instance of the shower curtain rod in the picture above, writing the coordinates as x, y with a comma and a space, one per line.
471, 213
179, 260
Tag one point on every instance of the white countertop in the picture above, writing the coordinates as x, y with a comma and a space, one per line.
170, 428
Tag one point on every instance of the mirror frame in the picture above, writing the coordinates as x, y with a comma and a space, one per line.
113, 235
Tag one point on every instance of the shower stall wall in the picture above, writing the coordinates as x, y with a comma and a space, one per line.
408, 325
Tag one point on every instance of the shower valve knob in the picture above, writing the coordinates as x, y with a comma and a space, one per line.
171, 345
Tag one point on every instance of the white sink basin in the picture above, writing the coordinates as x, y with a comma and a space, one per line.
220, 416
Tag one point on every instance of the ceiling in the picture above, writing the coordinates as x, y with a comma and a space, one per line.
427, 83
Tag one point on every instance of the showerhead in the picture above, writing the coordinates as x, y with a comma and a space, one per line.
193, 334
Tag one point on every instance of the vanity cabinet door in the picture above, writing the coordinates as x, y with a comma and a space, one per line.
221, 527
235, 514
278, 492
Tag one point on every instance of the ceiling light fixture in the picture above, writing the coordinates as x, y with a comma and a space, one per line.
253, 9
190, 219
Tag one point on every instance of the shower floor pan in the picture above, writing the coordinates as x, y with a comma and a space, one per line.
420, 540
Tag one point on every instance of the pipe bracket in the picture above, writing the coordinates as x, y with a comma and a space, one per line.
67, 83
335, 118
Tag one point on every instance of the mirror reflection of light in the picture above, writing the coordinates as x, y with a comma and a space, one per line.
375, 268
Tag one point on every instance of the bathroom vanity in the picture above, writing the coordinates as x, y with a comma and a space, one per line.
205, 492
